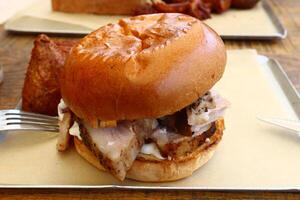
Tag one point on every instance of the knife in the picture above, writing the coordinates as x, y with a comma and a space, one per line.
292, 125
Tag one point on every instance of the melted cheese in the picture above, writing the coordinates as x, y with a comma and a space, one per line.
152, 149
75, 131
60, 108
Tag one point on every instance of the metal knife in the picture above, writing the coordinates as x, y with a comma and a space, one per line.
292, 125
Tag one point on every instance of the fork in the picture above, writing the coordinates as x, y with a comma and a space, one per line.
17, 120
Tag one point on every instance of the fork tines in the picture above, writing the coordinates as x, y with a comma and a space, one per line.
19, 120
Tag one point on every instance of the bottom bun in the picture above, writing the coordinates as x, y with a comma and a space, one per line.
148, 169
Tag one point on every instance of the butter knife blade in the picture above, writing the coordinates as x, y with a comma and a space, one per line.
291, 125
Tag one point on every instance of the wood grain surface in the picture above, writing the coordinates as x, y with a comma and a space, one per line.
14, 55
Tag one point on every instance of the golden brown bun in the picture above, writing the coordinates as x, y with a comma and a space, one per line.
146, 66
127, 7
149, 169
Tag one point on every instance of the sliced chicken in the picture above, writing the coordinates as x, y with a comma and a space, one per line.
174, 145
116, 148
206, 110
176, 135
65, 122
172, 136
64, 137
144, 127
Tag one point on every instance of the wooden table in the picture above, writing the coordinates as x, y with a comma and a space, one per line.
14, 55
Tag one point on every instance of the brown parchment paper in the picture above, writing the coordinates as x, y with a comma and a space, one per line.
253, 22
252, 155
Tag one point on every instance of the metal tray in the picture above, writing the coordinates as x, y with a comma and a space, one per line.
281, 78
284, 82
281, 31
37, 25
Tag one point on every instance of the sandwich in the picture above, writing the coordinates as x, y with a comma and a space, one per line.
137, 97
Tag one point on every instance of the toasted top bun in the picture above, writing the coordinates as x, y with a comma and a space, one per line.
146, 66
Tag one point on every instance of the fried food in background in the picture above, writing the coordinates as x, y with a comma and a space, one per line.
243, 4
99, 6
218, 6
200, 9
41, 91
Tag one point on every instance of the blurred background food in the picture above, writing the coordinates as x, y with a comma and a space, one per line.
41, 91
243, 4
200, 9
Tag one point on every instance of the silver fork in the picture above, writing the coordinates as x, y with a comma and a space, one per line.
16, 120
